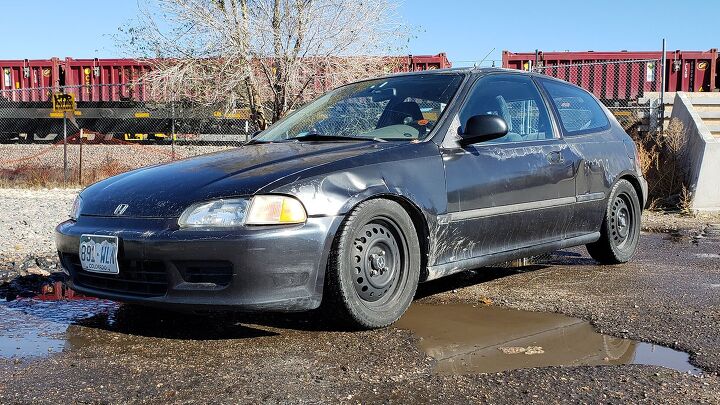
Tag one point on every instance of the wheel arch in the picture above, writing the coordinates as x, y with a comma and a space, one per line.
635, 182
419, 221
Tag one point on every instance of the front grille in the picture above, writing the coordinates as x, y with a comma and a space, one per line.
213, 272
144, 278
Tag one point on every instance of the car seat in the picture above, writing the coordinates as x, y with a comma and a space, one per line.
505, 114
401, 111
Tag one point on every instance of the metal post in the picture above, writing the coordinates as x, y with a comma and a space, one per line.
172, 135
80, 163
65, 162
663, 79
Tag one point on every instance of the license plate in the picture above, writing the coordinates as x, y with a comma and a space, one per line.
98, 253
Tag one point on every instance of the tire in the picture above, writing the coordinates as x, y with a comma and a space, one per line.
374, 267
620, 231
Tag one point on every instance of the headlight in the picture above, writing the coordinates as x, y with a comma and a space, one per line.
220, 213
275, 210
261, 210
75, 209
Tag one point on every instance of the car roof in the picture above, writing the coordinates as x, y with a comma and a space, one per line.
475, 70
480, 71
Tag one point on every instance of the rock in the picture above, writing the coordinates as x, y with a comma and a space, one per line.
485, 301
46, 262
7, 276
512, 350
530, 350
38, 271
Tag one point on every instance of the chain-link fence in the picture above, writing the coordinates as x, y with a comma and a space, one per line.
112, 129
115, 128
628, 88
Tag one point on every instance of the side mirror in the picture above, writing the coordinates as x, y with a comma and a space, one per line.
482, 128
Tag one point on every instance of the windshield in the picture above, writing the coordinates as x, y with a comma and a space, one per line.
395, 108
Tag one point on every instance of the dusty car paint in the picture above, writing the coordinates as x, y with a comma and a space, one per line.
471, 206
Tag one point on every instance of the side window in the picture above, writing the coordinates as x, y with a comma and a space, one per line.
514, 98
579, 111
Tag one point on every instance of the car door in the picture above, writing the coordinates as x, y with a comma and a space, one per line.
515, 191
587, 130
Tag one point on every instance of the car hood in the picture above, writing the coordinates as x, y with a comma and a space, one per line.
166, 190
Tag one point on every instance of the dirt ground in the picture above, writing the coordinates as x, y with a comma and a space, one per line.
668, 294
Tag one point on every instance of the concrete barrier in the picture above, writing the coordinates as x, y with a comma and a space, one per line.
703, 153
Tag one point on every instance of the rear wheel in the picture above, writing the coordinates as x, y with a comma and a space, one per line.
374, 268
620, 230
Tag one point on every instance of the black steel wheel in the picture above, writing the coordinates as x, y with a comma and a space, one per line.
620, 230
374, 268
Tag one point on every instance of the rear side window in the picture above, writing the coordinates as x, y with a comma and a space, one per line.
578, 110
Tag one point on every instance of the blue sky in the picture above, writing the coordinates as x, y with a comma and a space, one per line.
466, 29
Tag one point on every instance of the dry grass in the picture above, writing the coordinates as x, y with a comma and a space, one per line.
686, 202
29, 175
663, 160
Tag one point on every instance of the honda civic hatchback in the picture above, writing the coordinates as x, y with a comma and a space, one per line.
354, 199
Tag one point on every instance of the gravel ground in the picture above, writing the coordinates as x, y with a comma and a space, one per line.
28, 218
668, 294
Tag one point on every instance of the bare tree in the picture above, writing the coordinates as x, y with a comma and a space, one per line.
266, 55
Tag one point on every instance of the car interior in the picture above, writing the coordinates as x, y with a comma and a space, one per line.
518, 105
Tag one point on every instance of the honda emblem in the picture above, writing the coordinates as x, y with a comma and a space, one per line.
120, 209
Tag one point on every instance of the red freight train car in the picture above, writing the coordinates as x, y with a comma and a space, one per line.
91, 74
27, 74
102, 89
56, 73
686, 70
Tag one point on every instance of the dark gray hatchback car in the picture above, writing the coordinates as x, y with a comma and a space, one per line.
354, 199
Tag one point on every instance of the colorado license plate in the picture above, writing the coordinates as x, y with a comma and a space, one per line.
98, 253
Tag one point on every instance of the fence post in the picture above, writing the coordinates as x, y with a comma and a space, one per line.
172, 135
80, 162
662, 87
65, 162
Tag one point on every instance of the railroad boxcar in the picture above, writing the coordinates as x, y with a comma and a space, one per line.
111, 101
688, 71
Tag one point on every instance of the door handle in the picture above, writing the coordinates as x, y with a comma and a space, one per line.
555, 157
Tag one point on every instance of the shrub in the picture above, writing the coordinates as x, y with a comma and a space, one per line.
664, 162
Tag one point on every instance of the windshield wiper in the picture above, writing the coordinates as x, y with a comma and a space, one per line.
253, 141
314, 136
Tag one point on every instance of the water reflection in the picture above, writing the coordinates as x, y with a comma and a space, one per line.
466, 339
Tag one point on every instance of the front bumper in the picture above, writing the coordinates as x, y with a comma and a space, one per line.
278, 268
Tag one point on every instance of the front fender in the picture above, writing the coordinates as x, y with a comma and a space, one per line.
416, 175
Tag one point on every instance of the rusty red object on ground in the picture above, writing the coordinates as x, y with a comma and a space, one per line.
57, 291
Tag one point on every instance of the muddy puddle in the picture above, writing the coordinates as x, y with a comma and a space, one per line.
35, 328
464, 339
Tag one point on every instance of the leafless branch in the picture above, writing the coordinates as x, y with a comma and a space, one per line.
268, 55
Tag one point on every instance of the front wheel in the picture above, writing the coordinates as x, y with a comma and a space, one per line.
374, 267
620, 230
